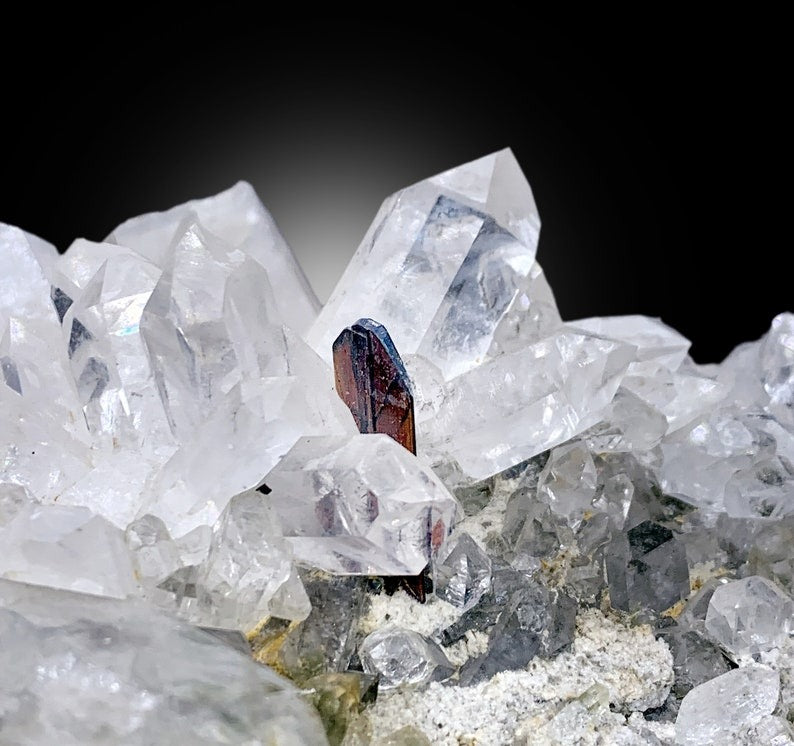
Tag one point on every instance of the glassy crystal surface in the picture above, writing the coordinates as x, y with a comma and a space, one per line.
13, 500
695, 659
338, 698
401, 656
777, 364
81, 670
360, 505
463, 242
534, 621
324, 641
66, 547
238, 218
568, 481
464, 575
749, 616
495, 416
169, 433
248, 564
716, 711
647, 568
155, 554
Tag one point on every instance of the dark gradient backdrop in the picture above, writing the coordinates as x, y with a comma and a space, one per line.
647, 152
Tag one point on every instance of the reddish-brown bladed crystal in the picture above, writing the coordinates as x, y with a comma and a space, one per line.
372, 381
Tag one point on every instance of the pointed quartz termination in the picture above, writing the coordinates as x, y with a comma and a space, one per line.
446, 266
372, 381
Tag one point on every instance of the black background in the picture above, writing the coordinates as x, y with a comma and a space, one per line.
654, 146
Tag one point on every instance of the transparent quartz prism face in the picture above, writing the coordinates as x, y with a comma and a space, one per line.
715, 712
240, 220
360, 505
523, 403
749, 616
43, 438
66, 547
124, 672
464, 576
777, 361
444, 265
402, 657
567, 483
248, 570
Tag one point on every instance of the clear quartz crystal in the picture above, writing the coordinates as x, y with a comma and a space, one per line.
463, 242
248, 573
238, 218
66, 547
496, 415
400, 656
360, 505
715, 712
464, 575
568, 481
155, 554
81, 670
777, 361
749, 616
149, 384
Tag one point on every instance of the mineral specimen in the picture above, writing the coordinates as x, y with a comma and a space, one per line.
461, 244
172, 431
46, 545
372, 381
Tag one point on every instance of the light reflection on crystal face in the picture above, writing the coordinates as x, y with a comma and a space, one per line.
150, 384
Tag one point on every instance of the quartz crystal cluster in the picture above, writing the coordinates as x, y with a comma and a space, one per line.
191, 448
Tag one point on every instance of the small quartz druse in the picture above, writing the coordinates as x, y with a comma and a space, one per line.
430, 510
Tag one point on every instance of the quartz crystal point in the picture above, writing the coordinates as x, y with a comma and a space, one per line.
534, 621
157, 377
647, 568
400, 656
123, 672
43, 439
716, 711
442, 264
521, 404
66, 547
749, 616
568, 481
360, 505
465, 574
248, 570
695, 659
325, 640
155, 554
777, 361
227, 372
661, 375
238, 218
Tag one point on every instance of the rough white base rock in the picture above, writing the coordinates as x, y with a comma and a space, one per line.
635, 668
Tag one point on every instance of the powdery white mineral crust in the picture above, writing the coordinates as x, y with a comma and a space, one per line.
404, 611
635, 668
